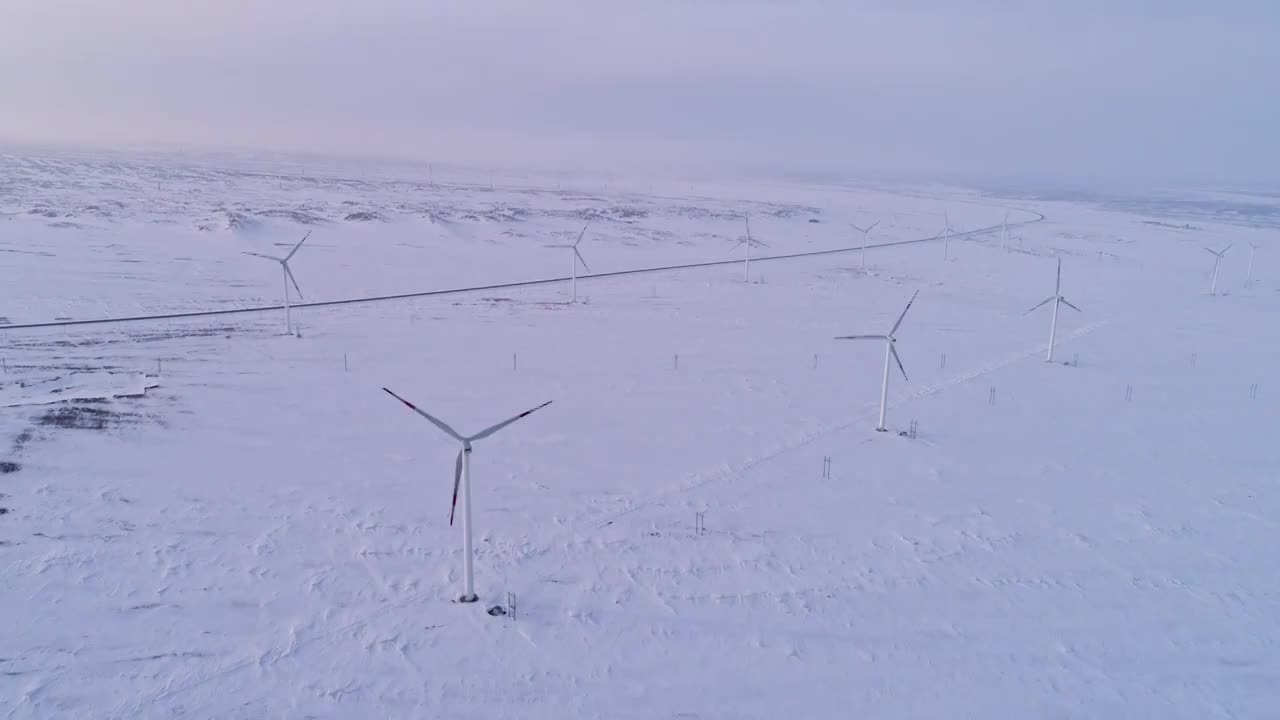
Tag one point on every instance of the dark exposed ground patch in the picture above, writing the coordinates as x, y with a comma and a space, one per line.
8, 466
128, 339
83, 416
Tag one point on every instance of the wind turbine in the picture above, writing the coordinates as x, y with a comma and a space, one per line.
890, 351
461, 472
1057, 299
1217, 261
866, 232
946, 236
1004, 231
1253, 249
574, 258
747, 242
288, 278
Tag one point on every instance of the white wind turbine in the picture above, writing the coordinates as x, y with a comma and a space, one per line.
1057, 299
1004, 231
288, 278
1217, 262
1253, 249
890, 351
747, 242
946, 235
575, 257
866, 232
461, 473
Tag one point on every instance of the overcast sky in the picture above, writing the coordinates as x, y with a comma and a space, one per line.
1178, 89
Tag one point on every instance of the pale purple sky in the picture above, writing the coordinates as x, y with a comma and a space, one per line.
1182, 89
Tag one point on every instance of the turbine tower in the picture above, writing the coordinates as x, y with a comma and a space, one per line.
890, 352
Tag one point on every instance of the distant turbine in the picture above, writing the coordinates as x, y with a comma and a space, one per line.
1217, 262
288, 278
1253, 249
890, 351
866, 233
462, 472
946, 235
747, 242
574, 258
1057, 299
1004, 231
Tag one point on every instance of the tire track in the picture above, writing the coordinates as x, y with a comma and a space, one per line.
725, 472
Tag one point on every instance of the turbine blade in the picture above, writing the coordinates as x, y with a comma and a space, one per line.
863, 337
489, 431
457, 480
1068, 304
447, 430
289, 272
581, 259
1037, 307
1225, 249
581, 234
873, 226
289, 257
262, 256
1058, 288
894, 352
903, 315
1213, 252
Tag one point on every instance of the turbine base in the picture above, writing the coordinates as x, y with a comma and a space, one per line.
882, 429
468, 598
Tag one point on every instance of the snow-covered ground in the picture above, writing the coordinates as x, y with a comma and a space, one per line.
254, 529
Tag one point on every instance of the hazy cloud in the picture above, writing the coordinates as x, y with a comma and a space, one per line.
1134, 88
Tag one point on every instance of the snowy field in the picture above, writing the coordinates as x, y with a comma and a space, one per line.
207, 518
